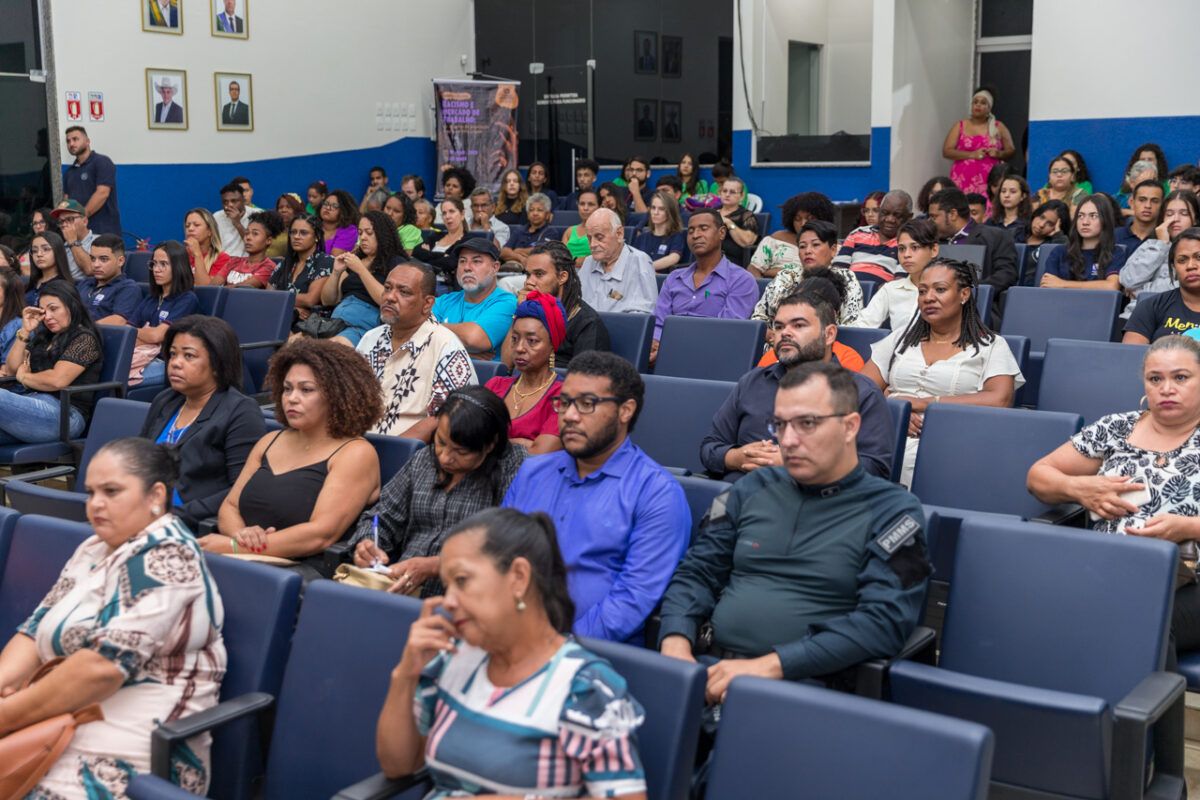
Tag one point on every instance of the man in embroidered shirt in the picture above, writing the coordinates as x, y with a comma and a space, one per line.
622, 520
418, 361
871, 249
108, 295
615, 277
710, 287
831, 561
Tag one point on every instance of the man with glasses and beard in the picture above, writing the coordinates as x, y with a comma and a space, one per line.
623, 522
805, 330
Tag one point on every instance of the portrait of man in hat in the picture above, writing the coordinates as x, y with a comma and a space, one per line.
165, 98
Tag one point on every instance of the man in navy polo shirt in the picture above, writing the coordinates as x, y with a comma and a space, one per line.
92, 182
108, 295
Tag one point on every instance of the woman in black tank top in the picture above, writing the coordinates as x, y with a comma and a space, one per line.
304, 486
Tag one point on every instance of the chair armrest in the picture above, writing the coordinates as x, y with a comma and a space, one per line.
39, 475
1156, 702
165, 736
1070, 515
206, 526
334, 555
381, 787
871, 676
261, 345
64, 403
678, 471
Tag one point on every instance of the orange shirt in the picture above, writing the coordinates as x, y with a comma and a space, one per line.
847, 356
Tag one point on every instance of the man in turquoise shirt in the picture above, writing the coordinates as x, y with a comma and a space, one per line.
481, 314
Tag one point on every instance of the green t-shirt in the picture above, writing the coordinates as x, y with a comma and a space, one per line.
410, 236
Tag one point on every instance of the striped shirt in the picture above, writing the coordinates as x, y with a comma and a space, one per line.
862, 251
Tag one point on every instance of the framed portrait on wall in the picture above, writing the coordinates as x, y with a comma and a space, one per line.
166, 99
672, 56
645, 52
645, 120
672, 121
162, 16
229, 18
235, 105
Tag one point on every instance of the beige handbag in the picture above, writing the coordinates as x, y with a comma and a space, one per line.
367, 578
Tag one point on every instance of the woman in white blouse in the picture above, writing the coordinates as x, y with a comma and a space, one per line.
895, 302
945, 354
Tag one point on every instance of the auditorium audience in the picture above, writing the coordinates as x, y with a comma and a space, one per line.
635, 180
468, 467
793, 607
537, 181
977, 144
1185, 176
413, 187
805, 331
1134, 471
317, 192
895, 302
663, 238
1147, 206
689, 175
1174, 310
438, 252
1148, 269
170, 299
12, 304
58, 346
928, 189
996, 176
977, 208
203, 414
949, 211
510, 201
872, 250
109, 297
137, 618
586, 170
253, 271
48, 265
830, 286
780, 250
425, 214
538, 218
945, 355
339, 220
400, 208
232, 220
1082, 178
504, 656
481, 312
303, 487
575, 237
356, 285
539, 328
741, 226
417, 360
481, 218
457, 184
305, 268
615, 277
1013, 208
377, 191
1147, 157
203, 242
288, 208
1062, 183
869, 213
1090, 260
73, 224
816, 246
671, 185
612, 197
1049, 225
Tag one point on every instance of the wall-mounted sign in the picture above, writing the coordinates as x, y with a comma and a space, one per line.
96, 106
74, 106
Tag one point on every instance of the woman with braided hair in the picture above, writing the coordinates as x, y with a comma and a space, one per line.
945, 355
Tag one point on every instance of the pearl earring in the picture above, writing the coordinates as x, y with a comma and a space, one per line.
520, 604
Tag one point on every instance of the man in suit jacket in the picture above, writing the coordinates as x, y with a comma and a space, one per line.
168, 110
235, 112
951, 214
228, 22
164, 14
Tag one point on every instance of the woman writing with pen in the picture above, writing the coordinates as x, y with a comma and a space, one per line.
467, 468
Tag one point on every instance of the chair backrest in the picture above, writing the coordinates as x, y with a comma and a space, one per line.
1058, 608
260, 609
40, 547
784, 739
971, 253
671, 692
637, 219
1043, 254
700, 493
394, 452
976, 458
861, 339
709, 349
629, 336
901, 414
566, 218
676, 414
984, 295
1073, 381
137, 266
1042, 314
660, 278
489, 235
347, 642
763, 218
1021, 252
212, 299
763, 283
486, 370
1019, 347
113, 418
868, 291
8, 521
258, 316
118, 342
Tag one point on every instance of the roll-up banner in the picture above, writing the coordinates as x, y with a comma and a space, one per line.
476, 129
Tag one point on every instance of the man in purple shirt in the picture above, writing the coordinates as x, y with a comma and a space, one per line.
710, 287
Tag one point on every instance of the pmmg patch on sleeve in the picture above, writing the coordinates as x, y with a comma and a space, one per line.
898, 535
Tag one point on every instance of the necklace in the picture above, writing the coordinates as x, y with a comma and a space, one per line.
933, 340
523, 395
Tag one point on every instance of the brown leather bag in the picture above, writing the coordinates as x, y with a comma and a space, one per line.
28, 754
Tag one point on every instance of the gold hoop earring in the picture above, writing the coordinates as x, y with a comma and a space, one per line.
1143, 404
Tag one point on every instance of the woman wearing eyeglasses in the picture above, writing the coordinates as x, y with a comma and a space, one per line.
339, 222
1062, 184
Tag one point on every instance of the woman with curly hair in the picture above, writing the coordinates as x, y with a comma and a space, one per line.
356, 287
303, 487
780, 250
457, 183
339, 216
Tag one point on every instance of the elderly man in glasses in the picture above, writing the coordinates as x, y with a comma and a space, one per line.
831, 563
622, 520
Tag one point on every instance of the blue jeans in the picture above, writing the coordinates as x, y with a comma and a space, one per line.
155, 373
33, 417
359, 316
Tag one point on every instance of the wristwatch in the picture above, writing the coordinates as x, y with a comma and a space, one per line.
74, 244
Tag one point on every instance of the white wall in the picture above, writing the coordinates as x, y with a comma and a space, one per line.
318, 71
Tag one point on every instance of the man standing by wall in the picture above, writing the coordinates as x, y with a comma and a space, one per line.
92, 182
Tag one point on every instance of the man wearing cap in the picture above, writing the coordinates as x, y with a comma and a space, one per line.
92, 182
168, 111
73, 222
481, 314
108, 295
417, 360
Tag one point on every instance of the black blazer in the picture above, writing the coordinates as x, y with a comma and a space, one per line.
212, 451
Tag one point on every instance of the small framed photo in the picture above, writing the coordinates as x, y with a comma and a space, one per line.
645, 52
645, 120
166, 99
235, 105
672, 56
229, 18
162, 16
672, 126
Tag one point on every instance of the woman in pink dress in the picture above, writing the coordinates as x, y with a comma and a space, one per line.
977, 144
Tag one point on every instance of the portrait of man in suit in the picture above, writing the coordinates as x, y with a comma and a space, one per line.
228, 22
235, 106
165, 98
645, 52
646, 122
162, 14
235, 111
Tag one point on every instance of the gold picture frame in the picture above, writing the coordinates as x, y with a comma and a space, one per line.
234, 114
238, 27
173, 119
155, 20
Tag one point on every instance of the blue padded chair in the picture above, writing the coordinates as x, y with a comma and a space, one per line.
112, 419
709, 349
1091, 378
784, 739
901, 414
700, 493
1055, 639
976, 458
629, 336
1019, 347
984, 294
394, 452
212, 299
672, 694
1021, 252
1043, 252
137, 266
8, 521
347, 642
262, 322
676, 414
763, 283
39, 548
868, 291
486, 370
637, 219
861, 339
566, 218
763, 218
491, 237
660, 278
970, 253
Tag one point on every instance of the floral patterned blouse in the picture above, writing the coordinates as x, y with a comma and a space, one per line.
151, 608
785, 283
